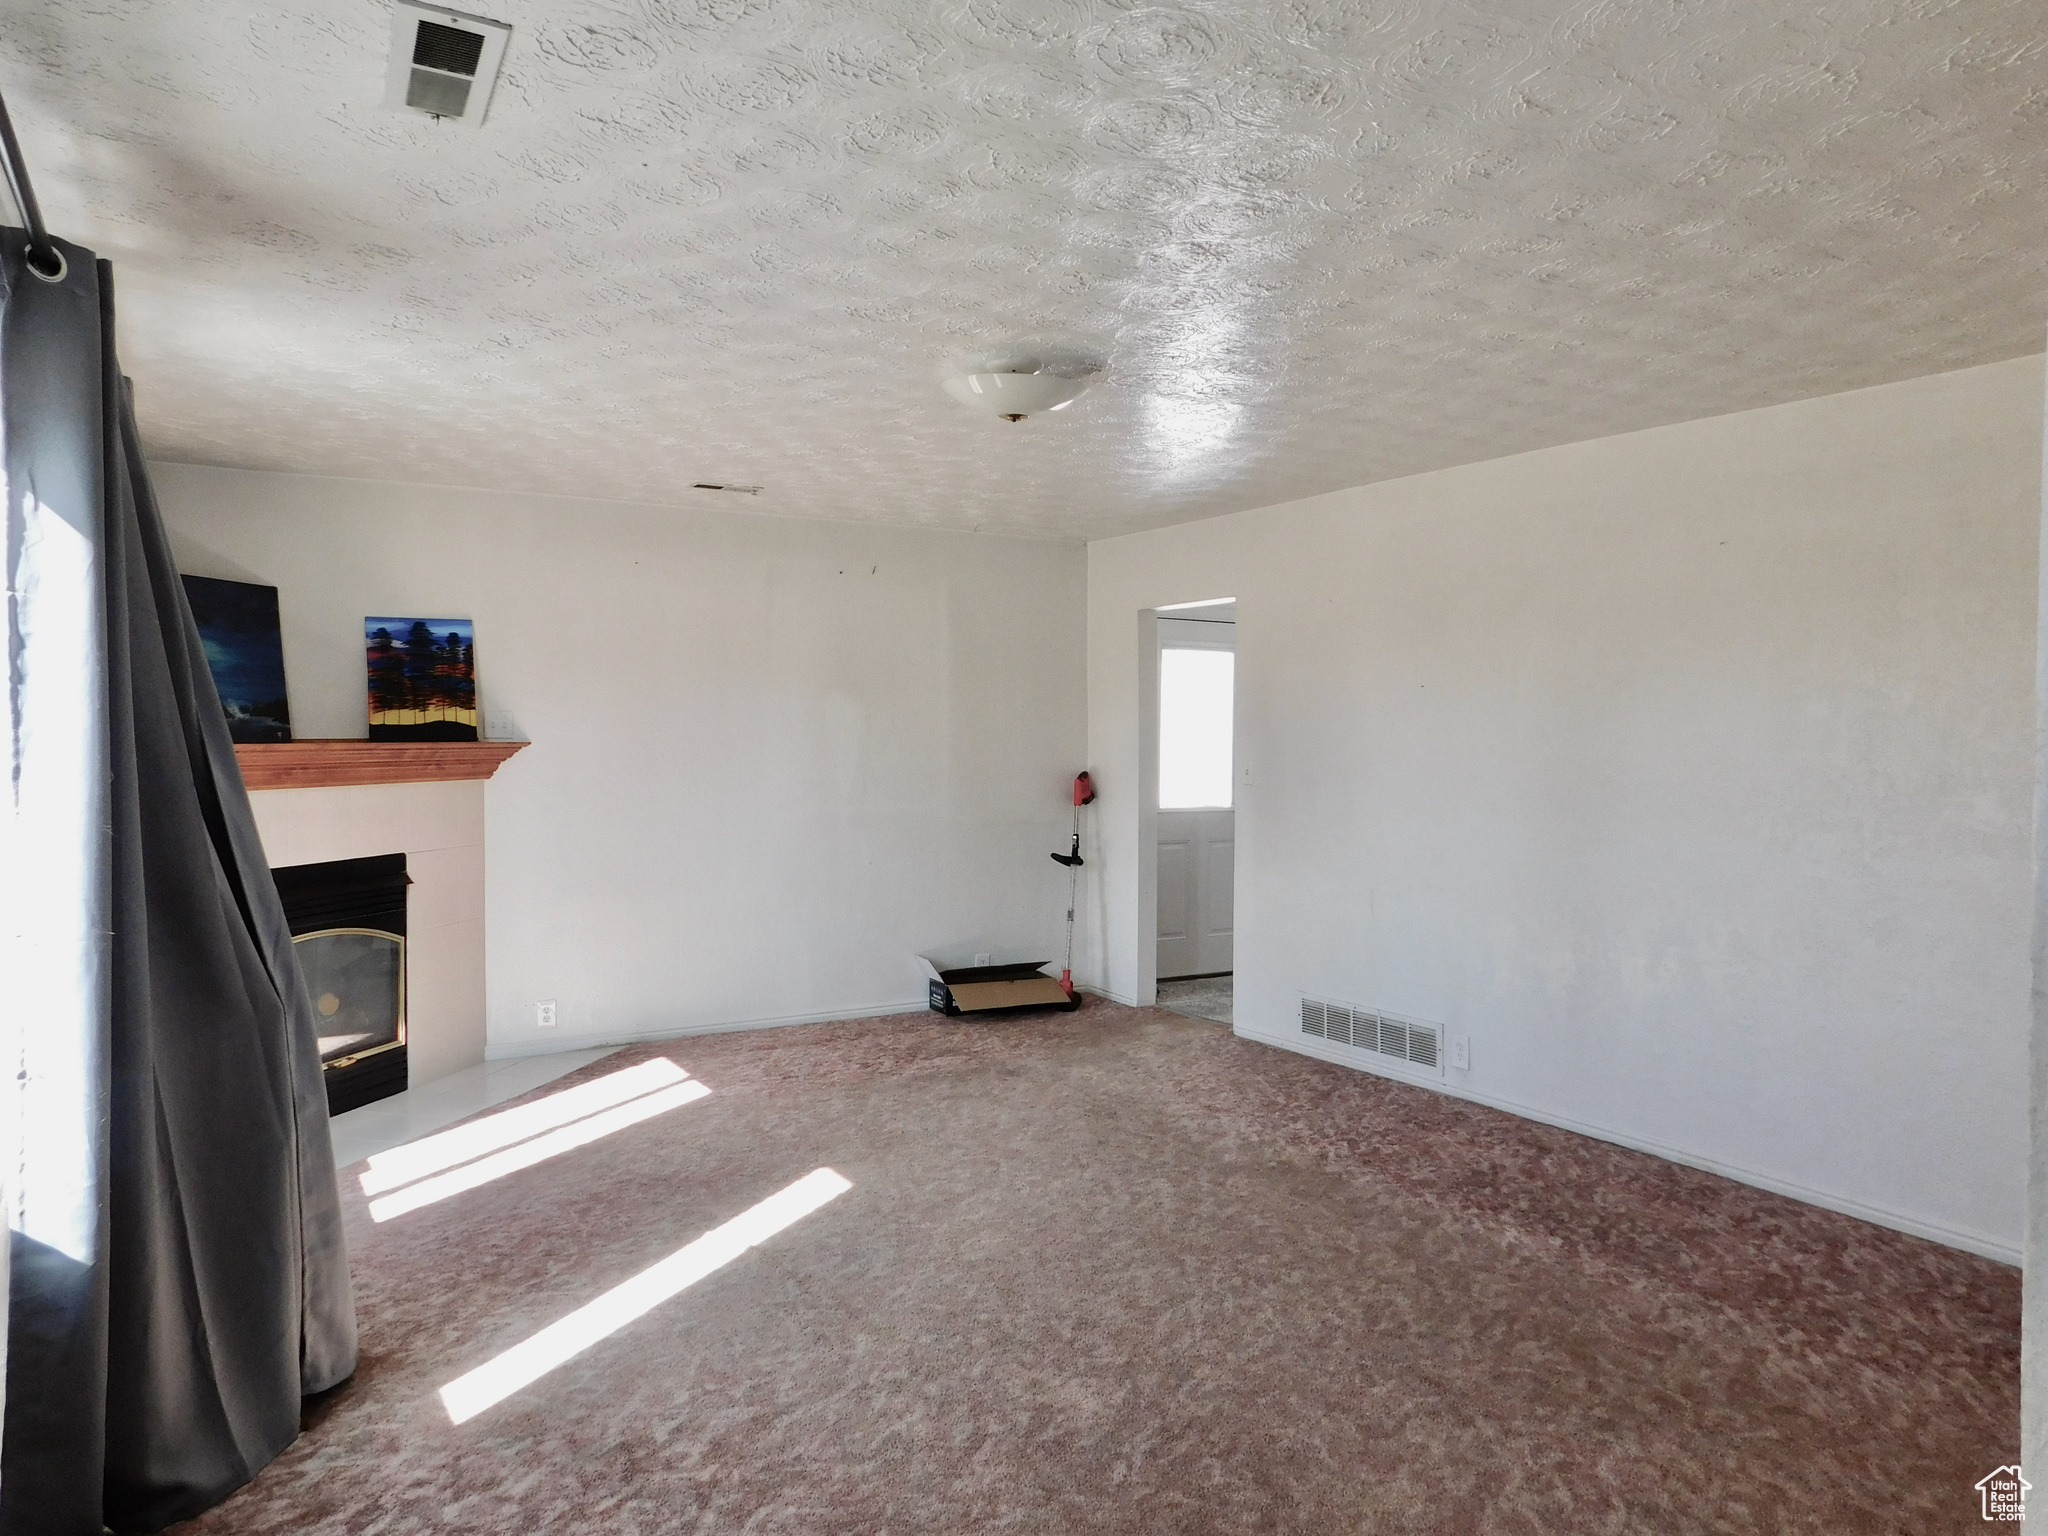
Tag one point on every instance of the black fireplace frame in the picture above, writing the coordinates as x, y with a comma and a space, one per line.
359, 895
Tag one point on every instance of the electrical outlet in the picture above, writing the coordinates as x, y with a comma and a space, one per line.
544, 1014
1461, 1052
981, 960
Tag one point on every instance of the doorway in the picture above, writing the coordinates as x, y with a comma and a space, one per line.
1196, 830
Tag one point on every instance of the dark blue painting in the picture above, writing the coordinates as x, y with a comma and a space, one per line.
245, 652
422, 679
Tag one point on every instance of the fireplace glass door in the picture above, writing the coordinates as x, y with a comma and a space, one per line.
357, 980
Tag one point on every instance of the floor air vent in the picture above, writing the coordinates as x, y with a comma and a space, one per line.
1407, 1040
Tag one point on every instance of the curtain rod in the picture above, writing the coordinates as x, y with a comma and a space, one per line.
39, 241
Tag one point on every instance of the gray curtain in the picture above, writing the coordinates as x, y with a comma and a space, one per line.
157, 1355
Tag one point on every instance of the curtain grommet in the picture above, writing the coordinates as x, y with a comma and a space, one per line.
58, 276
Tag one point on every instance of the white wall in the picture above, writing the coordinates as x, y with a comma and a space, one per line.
771, 760
1687, 772
2034, 1297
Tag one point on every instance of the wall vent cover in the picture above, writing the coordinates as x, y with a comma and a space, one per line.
443, 63
1411, 1041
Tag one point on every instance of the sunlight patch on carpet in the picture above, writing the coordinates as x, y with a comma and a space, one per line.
539, 1150
528, 1361
431, 1154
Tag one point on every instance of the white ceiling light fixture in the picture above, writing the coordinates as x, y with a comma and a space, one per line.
1015, 395
443, 63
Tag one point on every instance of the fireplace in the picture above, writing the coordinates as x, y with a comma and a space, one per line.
347, 919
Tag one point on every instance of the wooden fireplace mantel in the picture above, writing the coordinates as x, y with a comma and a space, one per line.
310, 764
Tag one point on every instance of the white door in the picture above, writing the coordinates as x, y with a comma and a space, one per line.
1197, 825
1196, 849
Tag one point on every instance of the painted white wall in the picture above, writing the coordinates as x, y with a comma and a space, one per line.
2034, 1297
1688, 773
772, 759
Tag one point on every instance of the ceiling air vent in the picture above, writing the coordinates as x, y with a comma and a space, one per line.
1409, 1041
443, 63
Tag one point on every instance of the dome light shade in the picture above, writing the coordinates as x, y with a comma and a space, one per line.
1013, 396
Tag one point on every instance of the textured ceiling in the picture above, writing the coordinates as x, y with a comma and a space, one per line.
1316, 243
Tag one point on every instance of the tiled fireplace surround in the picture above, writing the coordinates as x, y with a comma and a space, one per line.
438, 824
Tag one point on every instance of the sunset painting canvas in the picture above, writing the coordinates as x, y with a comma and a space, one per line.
422, 679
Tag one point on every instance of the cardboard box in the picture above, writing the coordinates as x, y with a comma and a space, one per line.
957, 985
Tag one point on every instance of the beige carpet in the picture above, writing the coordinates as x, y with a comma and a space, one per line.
1118, 1271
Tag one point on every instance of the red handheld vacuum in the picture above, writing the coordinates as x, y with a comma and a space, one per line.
1084, 794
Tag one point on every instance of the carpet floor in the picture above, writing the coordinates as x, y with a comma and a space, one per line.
1119, 1271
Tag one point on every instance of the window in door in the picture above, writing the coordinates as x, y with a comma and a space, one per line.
1195, 692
